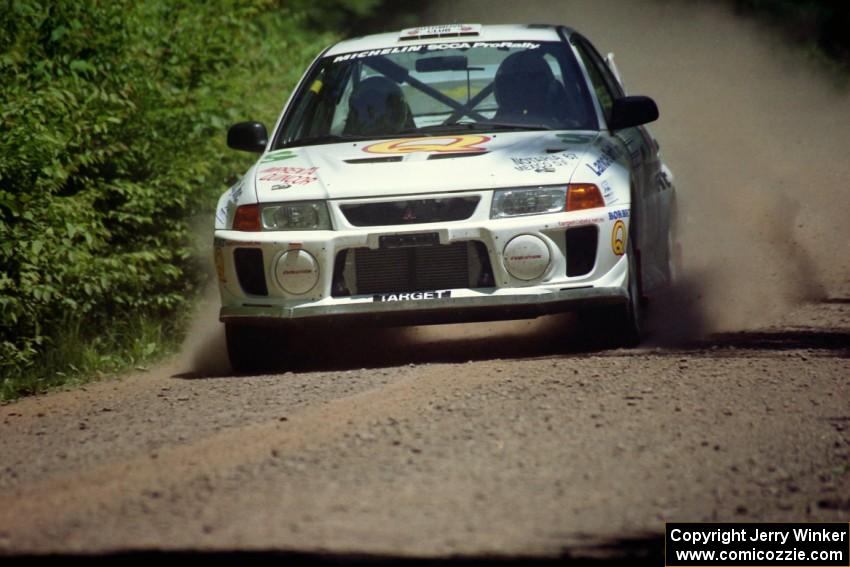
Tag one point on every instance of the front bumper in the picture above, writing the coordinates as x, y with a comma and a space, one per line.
506, 297
475, 306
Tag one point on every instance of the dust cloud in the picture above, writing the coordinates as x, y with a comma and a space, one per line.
758, 138
337, 347
204, 351
343, 347
757, 135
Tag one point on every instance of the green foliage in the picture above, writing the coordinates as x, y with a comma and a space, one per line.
113, 117
75, 356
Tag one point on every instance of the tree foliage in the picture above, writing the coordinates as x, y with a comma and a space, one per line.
112, 120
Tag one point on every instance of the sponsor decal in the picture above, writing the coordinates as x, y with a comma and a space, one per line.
574, 138
618, 238
483, 44
278, 155
441, 30
621, 214
289, 175
236, 191
609, 155
412, 296
437, 47
221, 214
280, 186
376, 52
608, 193
543, 164
581, 222
232, 199
454, 144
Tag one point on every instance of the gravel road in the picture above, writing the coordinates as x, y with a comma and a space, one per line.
512, 438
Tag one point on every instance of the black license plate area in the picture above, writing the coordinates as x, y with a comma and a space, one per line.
409, 240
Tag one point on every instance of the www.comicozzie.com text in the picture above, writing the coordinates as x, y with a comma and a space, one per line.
726, 536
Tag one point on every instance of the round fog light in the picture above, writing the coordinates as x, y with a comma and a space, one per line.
526, 257
297, 271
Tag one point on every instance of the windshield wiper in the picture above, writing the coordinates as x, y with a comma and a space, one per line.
326, 139
439, 128
473, 127
512, 126
434, 128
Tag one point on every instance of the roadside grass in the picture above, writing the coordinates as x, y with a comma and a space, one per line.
82, 353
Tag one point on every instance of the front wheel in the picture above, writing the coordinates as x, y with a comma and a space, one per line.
613, 326
632, 312
251, 349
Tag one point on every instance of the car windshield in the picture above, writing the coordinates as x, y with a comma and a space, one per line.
417, 90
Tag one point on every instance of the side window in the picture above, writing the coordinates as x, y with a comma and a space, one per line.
607, 75
322, 107
604, 84
340, 113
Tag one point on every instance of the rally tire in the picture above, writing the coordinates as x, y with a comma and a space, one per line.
250, 349
621, 325
632, 313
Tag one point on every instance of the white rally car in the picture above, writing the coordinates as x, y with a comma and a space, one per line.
446, 174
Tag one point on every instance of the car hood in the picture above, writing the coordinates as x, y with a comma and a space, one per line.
433, 164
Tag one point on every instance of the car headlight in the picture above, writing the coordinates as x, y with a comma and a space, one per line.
541, 200
528, 201
304, 215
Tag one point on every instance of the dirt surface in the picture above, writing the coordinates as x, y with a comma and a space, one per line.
514, 438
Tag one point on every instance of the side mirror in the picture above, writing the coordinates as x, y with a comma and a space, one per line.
248, 137
631, 111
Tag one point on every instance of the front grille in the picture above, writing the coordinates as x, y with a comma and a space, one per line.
419, 268
411, 211
581, 250
249, 270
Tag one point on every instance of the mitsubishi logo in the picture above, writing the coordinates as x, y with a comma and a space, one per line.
409, 215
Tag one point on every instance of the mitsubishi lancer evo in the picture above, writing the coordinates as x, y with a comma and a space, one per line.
447, 174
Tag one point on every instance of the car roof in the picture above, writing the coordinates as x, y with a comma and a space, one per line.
501, 32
